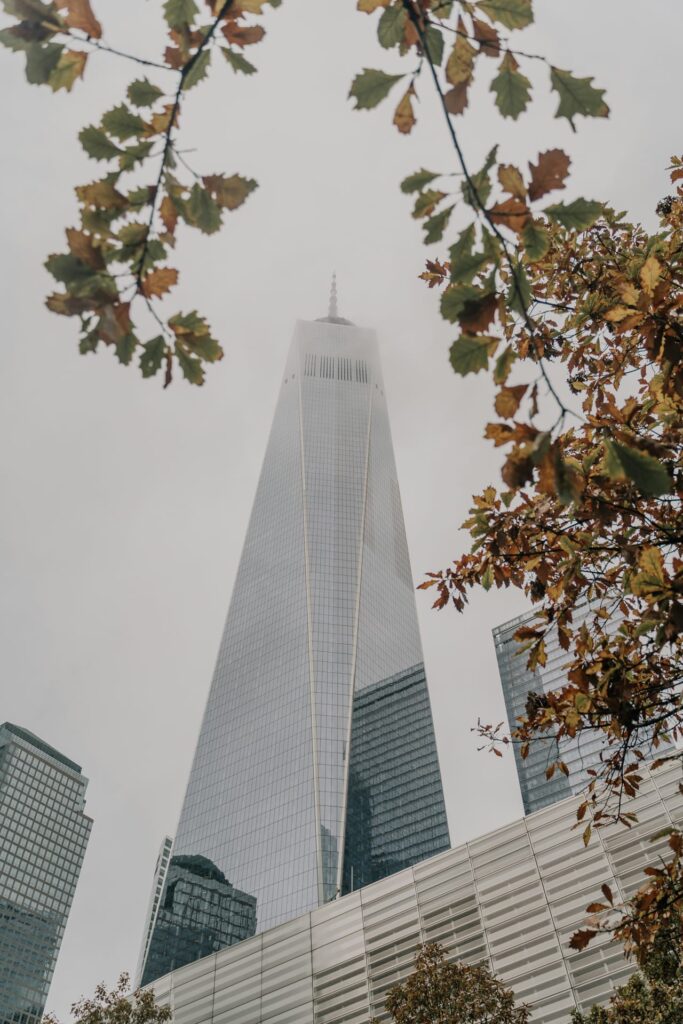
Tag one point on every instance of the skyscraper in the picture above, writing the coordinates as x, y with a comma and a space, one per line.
580, 753
43, 835
316, 768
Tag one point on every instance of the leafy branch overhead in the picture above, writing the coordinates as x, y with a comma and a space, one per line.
117, 256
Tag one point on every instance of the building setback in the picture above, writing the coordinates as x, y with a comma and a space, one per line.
511, 898
43, 836
316, 770
580, 753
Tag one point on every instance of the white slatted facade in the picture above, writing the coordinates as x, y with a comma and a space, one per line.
511, 898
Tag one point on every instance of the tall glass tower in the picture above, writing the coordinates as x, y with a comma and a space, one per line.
316, 769
43, 836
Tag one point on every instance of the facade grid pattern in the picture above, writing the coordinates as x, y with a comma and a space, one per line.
43, 836
511, 898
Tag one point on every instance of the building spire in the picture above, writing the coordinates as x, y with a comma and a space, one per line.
333, 313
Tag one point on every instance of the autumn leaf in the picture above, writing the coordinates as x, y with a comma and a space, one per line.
229, 192
460, 63
70, 66
650, 273
368, 6
549, 173
242, 35
158, 282
508, 400
478, 314
511, 180
646, 472
581, 938
404, 118
487, 37
456, 99
79, 14
512, 213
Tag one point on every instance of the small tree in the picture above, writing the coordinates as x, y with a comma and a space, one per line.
118, 1006
439, 992
654, 995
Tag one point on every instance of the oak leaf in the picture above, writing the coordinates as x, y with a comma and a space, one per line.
512, 88
70, 66
511, 13
511, 180
508, 400
370, 87
243, 35
512, 213
549, 173
460, 64
650, 273
456, 99
487, 37
159, 281
79, 14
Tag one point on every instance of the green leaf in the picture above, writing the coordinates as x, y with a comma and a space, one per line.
577, 96
646, 472
425, 203
417, 181
455, 298
519, 292
199, 69
202, 211
434, 41
125, 347
230, 192
436, 225
70, 66
512, 88
392, 26
576, 216
487, 577
152, 356
511, 13
191, 367
142, 93
97, 144
237, 62
470, 354
68, 268
535, 239
41, 61
122, 123
133, 154
503, 365
10, 38
180, 12
134, 233
370, 87
88, 342
465, 263
481, 182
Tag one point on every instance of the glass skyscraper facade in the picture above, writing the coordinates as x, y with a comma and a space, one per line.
580, 753
316, 769
43, 836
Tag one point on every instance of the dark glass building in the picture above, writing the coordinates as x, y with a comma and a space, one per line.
580, 753
316, 769
43, 836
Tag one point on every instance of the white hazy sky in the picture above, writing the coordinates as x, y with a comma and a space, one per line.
124, 507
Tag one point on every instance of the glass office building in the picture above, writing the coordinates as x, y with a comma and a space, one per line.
316, 769
43, 836
580, 753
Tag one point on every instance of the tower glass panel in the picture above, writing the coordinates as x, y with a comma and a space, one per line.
320, 652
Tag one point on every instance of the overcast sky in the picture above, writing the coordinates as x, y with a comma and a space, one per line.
124, 507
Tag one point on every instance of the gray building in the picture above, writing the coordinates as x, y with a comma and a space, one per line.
580, 753
511, 899
316, 769
43, 836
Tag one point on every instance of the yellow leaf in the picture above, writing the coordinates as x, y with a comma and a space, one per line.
650, 273
70, 66
629, 293
404, 118
512, 181
618, 313
587, 835
371, 5
159, 281
461, 61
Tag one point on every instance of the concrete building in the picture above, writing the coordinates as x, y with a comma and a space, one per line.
511, 898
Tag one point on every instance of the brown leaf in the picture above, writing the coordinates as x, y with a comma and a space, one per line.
512, 181
371, 5
243, 35
512, 213
508, 400
114, 323
487, 37
168, 214
460, 64
456, 98
404, 117
596, 908
549, 173
478, 314
580, 939
607, 893
80, 15
81, 246
159, 281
